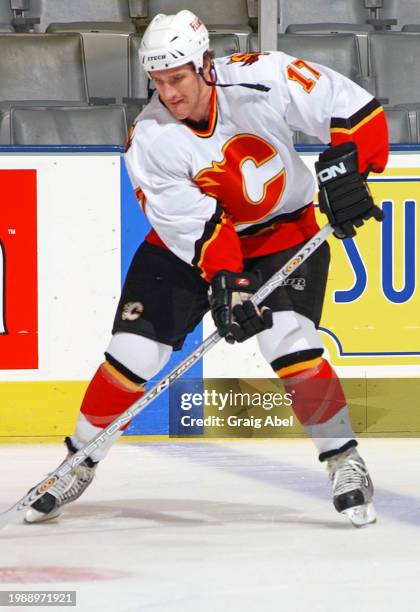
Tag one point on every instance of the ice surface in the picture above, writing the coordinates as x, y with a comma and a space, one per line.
213, 526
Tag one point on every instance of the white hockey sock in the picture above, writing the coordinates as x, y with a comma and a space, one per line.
85, 431
332, 434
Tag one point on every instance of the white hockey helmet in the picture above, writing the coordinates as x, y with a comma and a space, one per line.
174, 40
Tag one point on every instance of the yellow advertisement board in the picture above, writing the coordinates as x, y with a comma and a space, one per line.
372, 309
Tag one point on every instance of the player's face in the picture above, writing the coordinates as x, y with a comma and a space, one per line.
183, 92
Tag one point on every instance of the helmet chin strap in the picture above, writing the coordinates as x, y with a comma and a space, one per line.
257, 86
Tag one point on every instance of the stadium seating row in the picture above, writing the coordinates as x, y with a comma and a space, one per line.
69, 125
54, 69
107, 125
39, 14
59, 66
367, 14
96, 62
69, 66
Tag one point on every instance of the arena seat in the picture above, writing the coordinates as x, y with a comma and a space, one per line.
230, 12
105, 27
405, 12
95, 27
42, 67
224, 44
64, 11
91, 125
328, 28
360, 30
6, 17
337, 51
411, 27
394, 58
322, 11
399, 126
5, 112
417, 131
106, 54
240, 33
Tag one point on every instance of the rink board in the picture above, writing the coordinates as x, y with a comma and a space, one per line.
68, 229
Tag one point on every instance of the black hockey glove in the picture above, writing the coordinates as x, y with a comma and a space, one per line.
234, 315
344, 195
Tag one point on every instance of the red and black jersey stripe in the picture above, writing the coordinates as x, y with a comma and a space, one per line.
205, 129
219, 247
362, 114
367, 128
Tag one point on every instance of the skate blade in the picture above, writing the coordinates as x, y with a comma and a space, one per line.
33, 516
361, 515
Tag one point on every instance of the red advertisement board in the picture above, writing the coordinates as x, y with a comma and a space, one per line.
18, 270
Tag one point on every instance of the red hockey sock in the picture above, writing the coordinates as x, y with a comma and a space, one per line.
109, 393
316, 390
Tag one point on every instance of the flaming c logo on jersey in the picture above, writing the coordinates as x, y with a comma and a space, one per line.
248, 182
247, 59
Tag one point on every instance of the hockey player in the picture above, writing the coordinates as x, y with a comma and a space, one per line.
212, 163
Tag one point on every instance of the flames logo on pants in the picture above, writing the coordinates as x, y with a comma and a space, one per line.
248, 182
247, 59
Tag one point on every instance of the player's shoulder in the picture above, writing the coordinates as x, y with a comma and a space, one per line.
154, 125
154, 119
251, 66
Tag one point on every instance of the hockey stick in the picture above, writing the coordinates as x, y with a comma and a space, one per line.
53, 479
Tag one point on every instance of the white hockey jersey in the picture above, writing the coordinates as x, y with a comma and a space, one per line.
238, 188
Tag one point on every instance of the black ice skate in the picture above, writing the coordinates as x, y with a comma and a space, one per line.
70, 488
352, 487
